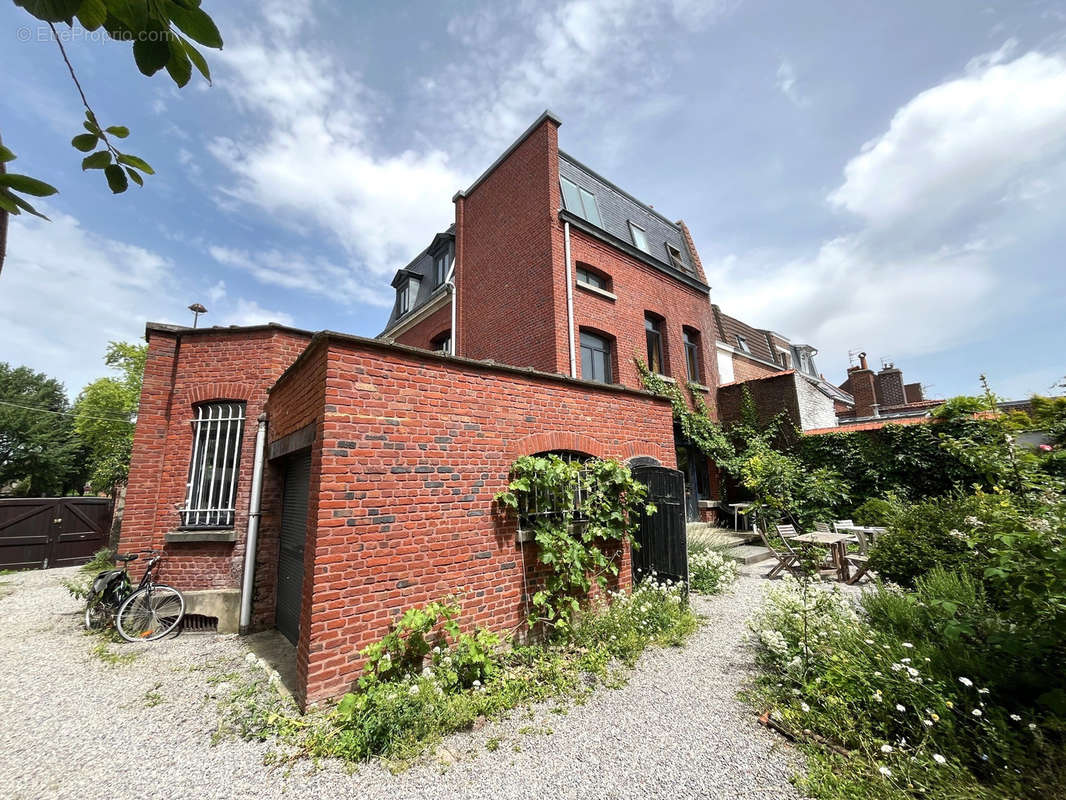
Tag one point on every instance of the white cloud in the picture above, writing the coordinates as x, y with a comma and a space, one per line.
965, 170
66, 292
296, 272
217, 292
786, 83
953, 146
308, 157
249, 312
518, 62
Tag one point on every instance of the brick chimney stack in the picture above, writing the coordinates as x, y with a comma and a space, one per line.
861, 386
889, 386
913, 393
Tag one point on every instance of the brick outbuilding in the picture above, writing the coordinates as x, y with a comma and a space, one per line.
380, 466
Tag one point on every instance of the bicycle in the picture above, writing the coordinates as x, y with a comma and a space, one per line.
149, 612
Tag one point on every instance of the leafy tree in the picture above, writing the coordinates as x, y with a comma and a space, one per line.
103, 415
160, 32
39, 451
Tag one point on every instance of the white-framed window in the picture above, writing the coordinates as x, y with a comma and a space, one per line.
640, 238
214, 466
443, 343
406, 295
580, 201
742, 343
440, 268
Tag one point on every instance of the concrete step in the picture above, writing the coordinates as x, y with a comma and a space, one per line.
748, 553
718, 538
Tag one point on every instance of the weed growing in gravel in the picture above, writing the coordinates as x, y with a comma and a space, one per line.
401, 716
152, 698
102, 652
78, 586
493, 744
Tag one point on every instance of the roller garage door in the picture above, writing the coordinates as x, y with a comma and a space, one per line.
297, 484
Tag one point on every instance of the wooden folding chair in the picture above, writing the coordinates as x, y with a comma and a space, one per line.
787, 531
787, 558
822, 527
860, 560
842, 523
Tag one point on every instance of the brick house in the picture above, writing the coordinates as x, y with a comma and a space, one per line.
322, 483
549, 265
780, 376
882, 395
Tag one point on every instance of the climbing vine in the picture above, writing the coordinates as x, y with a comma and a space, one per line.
579, 514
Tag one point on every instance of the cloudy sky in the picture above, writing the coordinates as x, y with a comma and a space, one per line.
888, 177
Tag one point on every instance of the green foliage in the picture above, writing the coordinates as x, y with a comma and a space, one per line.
103, 415
783, 489
897, 684
962, 407
580, 515
39, 450
400, 716
1049, 413
162, 36
876, 511
922, 536
710, 572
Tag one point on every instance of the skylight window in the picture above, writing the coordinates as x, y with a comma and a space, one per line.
640, 239
742, 343
675, 257
580, 201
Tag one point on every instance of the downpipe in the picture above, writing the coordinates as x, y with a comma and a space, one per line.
569, 300
252, 539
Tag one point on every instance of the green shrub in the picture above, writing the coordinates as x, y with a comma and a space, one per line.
875, 511
920, 537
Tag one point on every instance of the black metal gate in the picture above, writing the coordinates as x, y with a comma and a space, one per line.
659, 539
42, 532
293, 537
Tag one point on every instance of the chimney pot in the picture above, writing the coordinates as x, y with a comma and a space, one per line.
862, 361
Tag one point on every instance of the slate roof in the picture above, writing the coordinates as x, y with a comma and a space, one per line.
617, 208
422, 266
758, 340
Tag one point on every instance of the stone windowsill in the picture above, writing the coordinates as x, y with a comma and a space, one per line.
665, 378
699, 387
588, 287
197, 535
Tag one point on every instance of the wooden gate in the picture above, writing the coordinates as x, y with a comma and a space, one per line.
660, 540
42, 532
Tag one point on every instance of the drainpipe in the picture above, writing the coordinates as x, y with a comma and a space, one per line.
569, 300
450, 283
250, 544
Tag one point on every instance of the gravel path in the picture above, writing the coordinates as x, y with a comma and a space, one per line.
75, 725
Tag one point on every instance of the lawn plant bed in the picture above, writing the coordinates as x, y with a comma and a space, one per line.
462, 679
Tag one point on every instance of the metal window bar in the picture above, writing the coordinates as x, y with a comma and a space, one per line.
547, 505
212, 486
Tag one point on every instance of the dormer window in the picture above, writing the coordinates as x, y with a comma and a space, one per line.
742, 343
640, 238
406, 295
675, 257
439, 269
580, 201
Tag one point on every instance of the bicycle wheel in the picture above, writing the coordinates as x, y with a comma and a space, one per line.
150, 614
96, 616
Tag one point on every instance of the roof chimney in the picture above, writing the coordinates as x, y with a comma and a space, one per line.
862, 361
861, 386
890, 391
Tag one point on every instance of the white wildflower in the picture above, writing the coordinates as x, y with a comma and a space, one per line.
976, 712
965, 681
1015, 717
885, 771
805, 707
907, 644
413, 690
886, 748
939, 759
900, 707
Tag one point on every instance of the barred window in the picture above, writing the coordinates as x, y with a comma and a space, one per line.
216, 455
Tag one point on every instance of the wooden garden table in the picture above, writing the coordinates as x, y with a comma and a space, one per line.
838, 548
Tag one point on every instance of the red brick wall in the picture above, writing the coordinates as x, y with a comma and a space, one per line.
181, 370
640, 288
745, 369
509, 297
425, 331
413, 449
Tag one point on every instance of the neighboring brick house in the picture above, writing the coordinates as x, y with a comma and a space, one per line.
379, 463
551, 266
780, 376
882, 395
